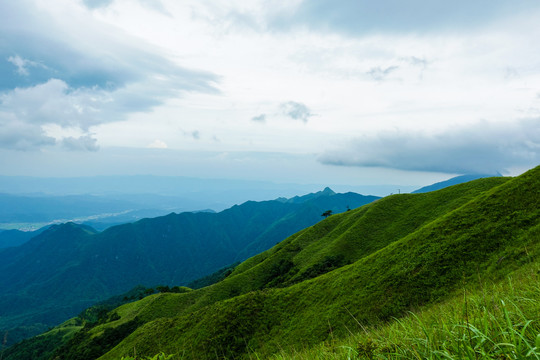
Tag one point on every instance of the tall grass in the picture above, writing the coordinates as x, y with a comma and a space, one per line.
160, 356
499, 321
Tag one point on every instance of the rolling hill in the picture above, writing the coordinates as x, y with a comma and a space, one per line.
69, 267
352, 271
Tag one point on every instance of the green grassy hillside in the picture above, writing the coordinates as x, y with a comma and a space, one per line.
69, 267
483, 320
355, 270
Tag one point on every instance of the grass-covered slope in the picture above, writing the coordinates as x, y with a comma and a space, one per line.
485, 320
490, 234
352, 270
69, 267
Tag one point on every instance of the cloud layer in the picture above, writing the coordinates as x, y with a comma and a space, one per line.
364, 16
480, 148
78, 75
450, 79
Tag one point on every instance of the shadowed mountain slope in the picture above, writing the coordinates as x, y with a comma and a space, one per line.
12, 238
69, 267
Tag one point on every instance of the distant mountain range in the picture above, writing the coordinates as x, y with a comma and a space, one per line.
69, 267
194, 193
11, 238
453, 181
29, 212
31, 203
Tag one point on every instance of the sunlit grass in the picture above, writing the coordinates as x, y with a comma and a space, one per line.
500, 321
495, 321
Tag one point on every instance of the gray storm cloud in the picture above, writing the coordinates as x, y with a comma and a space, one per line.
480, 148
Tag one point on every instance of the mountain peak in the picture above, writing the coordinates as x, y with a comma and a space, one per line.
300, 199
327, 191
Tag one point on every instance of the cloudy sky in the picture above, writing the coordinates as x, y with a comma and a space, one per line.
312, 91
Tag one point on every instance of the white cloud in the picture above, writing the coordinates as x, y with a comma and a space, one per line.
55, 102
22, 64
18, 135
82, 143
89, 73
157, 144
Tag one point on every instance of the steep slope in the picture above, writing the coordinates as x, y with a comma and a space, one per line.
403, 252
486, 237
69, 267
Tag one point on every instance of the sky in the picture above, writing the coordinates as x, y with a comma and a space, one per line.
305, 91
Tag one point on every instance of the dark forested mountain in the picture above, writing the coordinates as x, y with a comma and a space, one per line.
69, 267
350, 272
10, 238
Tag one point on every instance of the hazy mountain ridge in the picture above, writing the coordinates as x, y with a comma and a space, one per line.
12, 238
222, 192
36, 202
453, 181
368, 264
69, 267
29, 212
